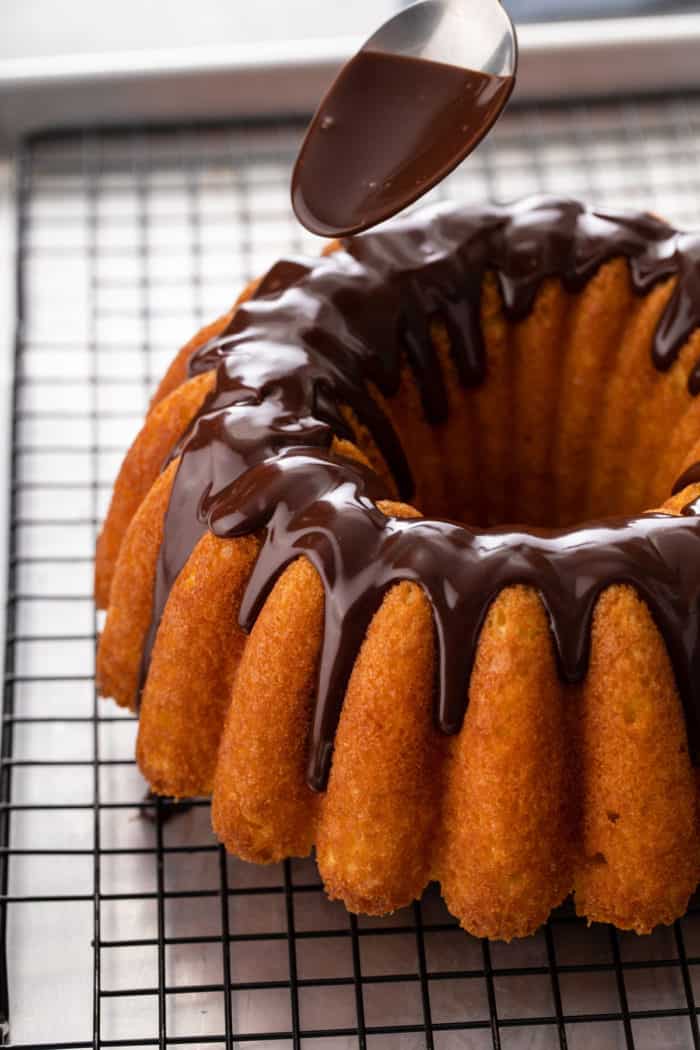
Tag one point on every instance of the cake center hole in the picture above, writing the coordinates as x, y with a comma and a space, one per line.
530, 446
495, 489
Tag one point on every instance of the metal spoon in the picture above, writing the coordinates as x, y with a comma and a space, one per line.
403, 112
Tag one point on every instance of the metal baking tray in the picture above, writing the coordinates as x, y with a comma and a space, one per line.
124, 928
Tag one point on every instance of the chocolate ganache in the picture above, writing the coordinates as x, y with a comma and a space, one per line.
691, 476
312, 343
391, 126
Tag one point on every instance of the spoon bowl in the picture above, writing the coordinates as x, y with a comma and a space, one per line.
413, 102
471, 34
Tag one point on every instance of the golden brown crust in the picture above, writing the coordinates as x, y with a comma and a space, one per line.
461, 491
624, 393
131, 596
667, 400
372, 456
537, 361
682, 450
195, 658
492, 402
378, 816
639, 861
262, 809
596, 321
505, 857
142, 464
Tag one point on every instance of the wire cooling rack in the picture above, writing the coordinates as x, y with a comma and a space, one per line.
126, 929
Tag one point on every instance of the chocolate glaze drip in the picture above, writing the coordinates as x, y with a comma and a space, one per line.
692, 509
315, 341
691, 476
169, 807
278, 278
325, 508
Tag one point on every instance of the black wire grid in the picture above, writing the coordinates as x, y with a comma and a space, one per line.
122, 931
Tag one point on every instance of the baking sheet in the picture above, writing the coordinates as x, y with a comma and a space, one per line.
180, 75
127, 243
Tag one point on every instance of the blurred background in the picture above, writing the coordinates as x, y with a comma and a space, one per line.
41, 27
546, 10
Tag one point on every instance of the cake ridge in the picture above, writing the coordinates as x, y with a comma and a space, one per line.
324, 507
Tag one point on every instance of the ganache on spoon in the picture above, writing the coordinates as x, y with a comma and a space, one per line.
413, 102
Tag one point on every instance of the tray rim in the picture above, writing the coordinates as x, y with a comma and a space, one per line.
559, 61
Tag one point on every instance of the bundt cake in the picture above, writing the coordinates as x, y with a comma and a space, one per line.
513, 711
